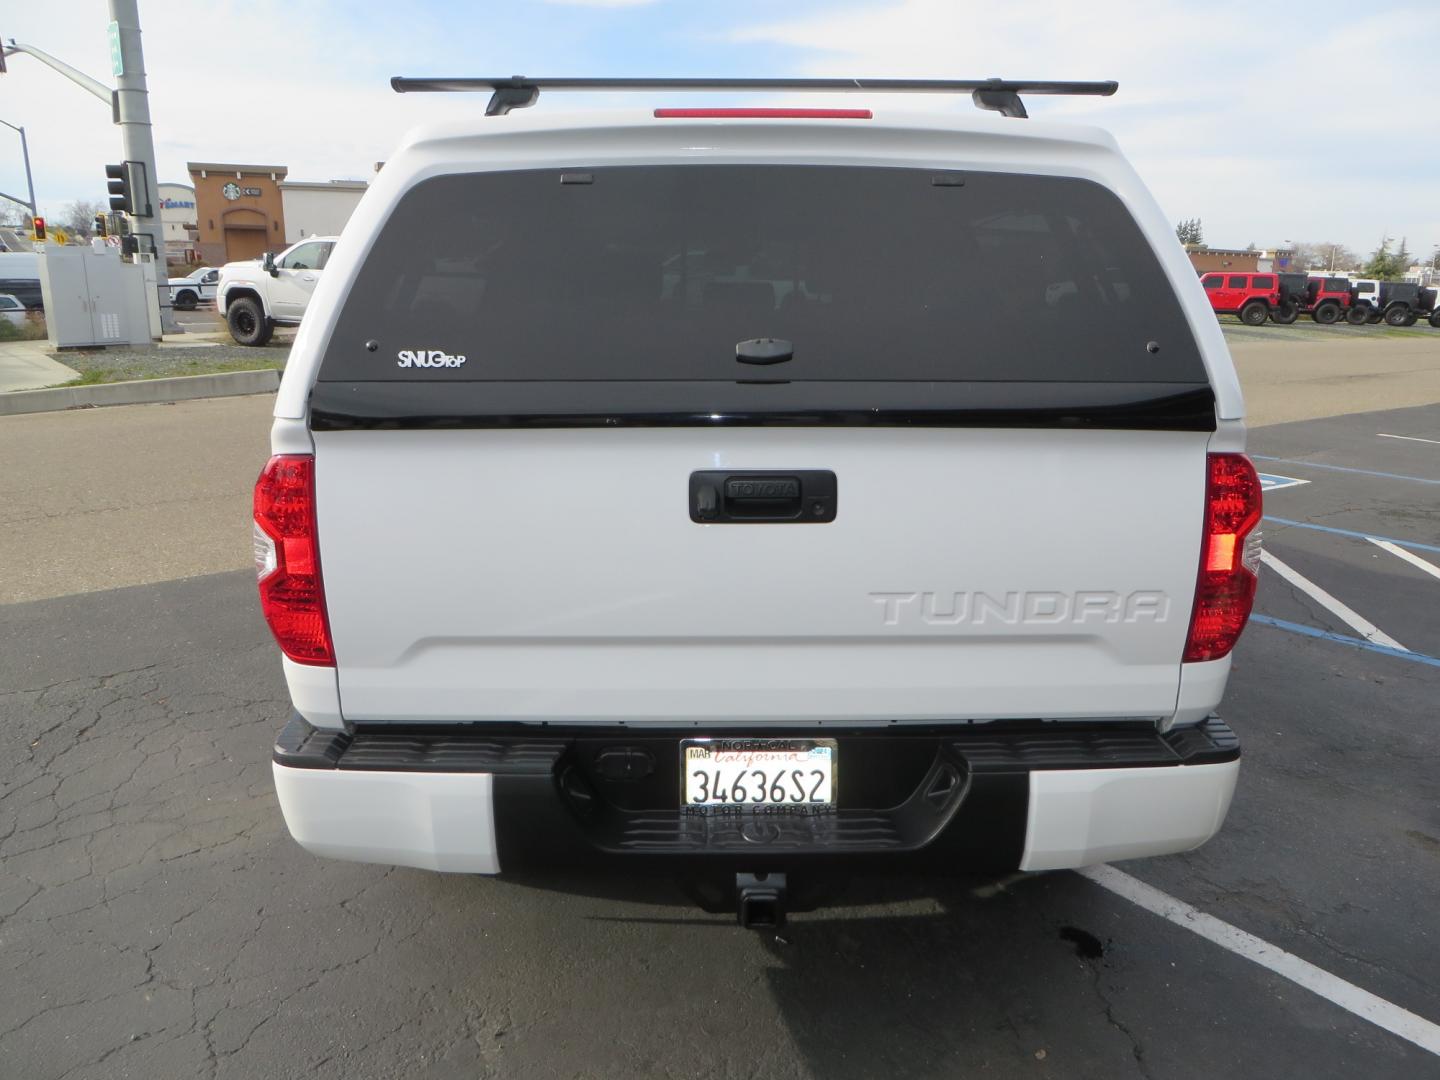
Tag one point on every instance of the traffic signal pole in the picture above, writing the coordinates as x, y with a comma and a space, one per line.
79, 78
132, 114
130, 109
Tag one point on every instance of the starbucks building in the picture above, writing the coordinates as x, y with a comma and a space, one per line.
238, 210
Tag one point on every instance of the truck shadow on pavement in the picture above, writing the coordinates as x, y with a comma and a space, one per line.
901, 977
1034, 974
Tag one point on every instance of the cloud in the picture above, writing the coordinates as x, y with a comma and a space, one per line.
299, 85
1266, 136
601, 3
1261, 134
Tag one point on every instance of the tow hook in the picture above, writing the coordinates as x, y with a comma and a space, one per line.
761, 901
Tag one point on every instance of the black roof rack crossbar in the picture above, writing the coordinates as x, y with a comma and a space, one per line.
519, 92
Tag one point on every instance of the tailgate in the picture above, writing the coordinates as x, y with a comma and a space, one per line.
530, 364
557, 575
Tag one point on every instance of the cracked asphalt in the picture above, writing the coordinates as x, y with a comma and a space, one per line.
156, 921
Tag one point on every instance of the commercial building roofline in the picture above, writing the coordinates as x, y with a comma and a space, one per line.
231, 167
324, 185
1205, 249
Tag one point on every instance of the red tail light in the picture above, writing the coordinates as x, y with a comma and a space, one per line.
287, 559
1229, 557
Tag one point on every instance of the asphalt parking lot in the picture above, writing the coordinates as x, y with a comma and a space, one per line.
200, 320
1307, 329
156, 921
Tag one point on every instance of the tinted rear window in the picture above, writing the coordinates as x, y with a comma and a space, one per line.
656, 273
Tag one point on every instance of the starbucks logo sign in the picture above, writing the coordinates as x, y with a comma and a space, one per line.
233, 191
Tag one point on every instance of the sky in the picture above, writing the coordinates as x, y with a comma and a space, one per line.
1319, 128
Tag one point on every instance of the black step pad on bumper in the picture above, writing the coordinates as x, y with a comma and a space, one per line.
518, 749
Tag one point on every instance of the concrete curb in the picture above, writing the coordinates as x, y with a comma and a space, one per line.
140, 391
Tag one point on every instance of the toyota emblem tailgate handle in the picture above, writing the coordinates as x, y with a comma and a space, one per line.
763, 496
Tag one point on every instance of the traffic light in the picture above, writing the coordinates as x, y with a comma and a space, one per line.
128, 190
118, 182
38, 225
102, 226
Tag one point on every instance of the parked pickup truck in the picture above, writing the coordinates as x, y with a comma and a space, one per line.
648, 495
257, 295
195, 288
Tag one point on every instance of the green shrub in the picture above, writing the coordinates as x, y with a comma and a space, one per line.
33, 330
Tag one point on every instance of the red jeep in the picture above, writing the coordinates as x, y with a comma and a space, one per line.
1328, 300
1251, 296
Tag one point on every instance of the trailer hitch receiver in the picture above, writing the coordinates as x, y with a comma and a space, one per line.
761, 901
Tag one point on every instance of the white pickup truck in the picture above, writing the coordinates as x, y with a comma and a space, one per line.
195, 288
257, 295
651, 493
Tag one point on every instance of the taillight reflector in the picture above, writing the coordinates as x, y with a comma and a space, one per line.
287, 559
766, 114
1229, 557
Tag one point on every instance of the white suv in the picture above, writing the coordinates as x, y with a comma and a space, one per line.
757, 495
257, 295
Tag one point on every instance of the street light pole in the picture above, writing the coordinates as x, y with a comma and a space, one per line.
29, 183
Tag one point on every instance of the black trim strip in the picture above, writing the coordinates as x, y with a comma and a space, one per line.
449, 404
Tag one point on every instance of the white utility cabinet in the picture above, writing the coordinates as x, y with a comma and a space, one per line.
92, 297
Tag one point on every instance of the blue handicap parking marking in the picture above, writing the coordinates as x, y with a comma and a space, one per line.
1271, 482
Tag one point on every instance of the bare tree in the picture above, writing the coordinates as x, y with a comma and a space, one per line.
79, 217
1324, 255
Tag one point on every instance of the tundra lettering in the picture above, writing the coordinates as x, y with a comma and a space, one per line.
1024, 608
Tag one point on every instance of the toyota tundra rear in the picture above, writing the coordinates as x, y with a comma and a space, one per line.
755, 497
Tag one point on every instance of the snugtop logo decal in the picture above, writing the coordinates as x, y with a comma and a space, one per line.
406, 358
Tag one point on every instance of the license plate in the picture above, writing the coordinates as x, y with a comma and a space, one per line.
797, 774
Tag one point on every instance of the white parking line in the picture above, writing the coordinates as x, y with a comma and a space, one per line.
1407, 438
1271, 482
1410, 557
1366, 629
1362, 1003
